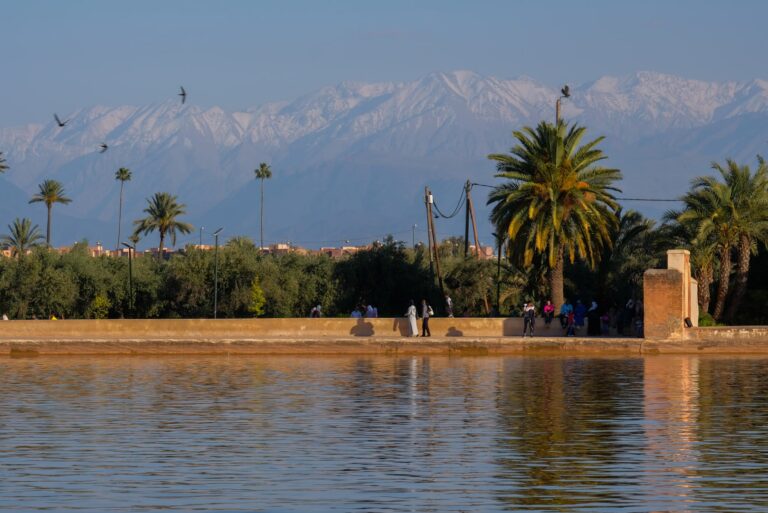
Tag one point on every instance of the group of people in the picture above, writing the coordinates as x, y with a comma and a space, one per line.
362, 311
573, 318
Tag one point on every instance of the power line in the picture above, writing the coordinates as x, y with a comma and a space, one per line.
647, 199
462, 199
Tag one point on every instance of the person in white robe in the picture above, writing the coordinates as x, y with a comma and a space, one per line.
411, 315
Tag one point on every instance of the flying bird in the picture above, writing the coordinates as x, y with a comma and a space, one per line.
566, 91
59, 121
104, 147
183, 95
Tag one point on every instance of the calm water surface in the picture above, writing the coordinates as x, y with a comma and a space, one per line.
665, 433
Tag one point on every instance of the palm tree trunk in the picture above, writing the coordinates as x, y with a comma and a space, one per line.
556, 281
722, 282
160, 247
119, 217
705, 277
261, 218
48, 227
742, 275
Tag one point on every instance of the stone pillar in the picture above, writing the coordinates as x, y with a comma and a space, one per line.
669, 297
662, 301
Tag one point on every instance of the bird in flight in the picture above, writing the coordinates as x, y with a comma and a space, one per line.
104, 147
183, 95
566, 91
59, 122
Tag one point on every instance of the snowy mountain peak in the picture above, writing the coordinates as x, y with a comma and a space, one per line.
356, 134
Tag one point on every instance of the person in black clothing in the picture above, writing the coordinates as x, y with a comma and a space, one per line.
529, 318
426, 313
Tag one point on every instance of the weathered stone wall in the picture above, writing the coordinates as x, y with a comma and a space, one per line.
663, 299
121, 329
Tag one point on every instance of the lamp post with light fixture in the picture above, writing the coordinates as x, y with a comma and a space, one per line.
216, 273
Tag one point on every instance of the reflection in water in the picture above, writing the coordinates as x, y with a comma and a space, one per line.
664, 433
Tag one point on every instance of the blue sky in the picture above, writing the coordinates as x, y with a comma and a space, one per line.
60, 56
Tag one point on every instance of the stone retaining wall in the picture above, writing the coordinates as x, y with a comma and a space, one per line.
188, 329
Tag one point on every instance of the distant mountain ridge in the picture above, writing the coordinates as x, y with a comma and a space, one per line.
364, 152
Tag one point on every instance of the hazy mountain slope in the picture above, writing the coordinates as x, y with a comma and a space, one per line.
352, 160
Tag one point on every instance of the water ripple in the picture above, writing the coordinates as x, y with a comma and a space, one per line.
280, 434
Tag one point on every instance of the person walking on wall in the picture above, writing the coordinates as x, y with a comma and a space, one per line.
426, 313
413, 329
529, 318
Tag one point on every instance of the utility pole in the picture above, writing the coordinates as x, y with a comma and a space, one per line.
414, 236
201, 236
471, 210
467, 188
427, 195
216, 274
433, 237
566, 93
130, 277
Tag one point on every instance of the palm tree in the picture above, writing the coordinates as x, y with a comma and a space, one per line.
703, 253
734, 214
3, 165
557, 201
51, 192
22, 236
123, 174
162, 213
264, 172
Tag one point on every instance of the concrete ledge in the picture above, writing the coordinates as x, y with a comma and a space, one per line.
465, 346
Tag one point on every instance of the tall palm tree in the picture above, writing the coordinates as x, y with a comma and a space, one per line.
3, 165
264, 172
162, 215
50, 192
734, 213
23, 236
706, 210
123, 174
557, 200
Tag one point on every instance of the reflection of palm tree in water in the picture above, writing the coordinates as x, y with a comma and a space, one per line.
560, 419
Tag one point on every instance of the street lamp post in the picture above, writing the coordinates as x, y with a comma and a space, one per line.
500, 242
216, 274
566, 91
414, 236
131, 249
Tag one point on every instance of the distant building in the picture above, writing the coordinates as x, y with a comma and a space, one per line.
486, 252
342, 252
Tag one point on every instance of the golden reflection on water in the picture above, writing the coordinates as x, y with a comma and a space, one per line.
662, 433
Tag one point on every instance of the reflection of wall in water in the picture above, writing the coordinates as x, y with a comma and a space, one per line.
671, 409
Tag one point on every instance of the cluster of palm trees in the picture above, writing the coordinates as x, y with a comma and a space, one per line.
557, 202
723, 217
162, 214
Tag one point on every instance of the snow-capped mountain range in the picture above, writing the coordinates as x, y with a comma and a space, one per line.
350, 161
